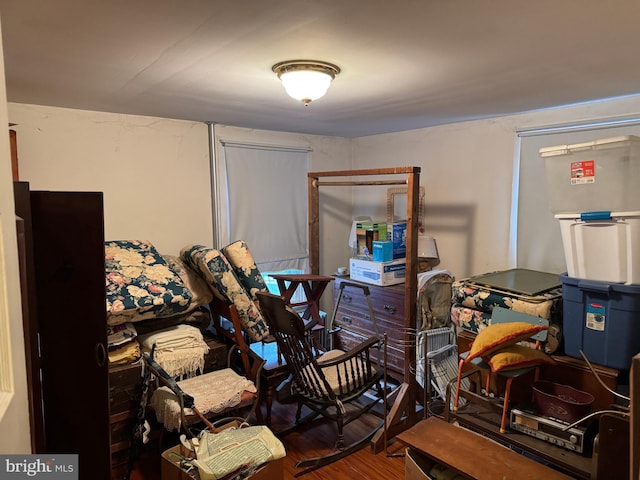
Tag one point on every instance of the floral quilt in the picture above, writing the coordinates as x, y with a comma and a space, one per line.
547, 305
472, 306
244, 265
140, 284
221, 275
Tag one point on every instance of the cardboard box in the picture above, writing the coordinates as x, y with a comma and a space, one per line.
382, 251
367, 233
170, 468
398, 235
377, 273
170, 464
417, 465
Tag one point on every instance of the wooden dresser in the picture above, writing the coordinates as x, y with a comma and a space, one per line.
356, 322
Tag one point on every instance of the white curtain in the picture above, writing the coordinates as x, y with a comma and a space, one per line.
538, 240
262, 199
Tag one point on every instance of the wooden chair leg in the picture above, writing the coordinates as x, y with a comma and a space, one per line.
487, 384
505, 407
458, 382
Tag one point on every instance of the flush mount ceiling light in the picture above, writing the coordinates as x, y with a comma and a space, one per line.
306, 80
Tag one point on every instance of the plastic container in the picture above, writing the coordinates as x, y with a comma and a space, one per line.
593, 176
602, 246
561, 402
602, 319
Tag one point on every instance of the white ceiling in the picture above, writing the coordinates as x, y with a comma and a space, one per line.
405, 63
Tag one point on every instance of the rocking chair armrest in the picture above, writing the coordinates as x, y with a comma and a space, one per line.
186, 400
366, 345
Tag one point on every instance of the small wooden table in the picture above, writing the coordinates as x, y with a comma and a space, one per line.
313, 286
471, 454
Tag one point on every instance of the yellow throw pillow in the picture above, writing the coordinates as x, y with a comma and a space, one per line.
517, 356
500, 335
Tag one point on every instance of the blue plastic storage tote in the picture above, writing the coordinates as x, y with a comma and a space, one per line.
601, 319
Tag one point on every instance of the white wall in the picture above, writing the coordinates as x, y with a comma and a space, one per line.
14, 403
154, 172
155, 175
467, 171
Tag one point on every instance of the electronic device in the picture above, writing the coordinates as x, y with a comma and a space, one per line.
577, 439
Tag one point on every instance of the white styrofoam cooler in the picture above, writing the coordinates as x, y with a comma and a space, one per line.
594, 176
602, 246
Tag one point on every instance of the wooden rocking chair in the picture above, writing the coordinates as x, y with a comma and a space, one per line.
328, 384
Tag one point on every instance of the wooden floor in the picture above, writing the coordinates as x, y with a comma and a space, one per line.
313, 440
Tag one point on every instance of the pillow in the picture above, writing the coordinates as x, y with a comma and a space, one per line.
517, 356
500, 335
244, 265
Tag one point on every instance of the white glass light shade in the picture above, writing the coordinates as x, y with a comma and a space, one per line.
306, 85
306, 80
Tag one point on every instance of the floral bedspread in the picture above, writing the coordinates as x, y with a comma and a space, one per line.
221, 275
547, 305
472, 307
140, 284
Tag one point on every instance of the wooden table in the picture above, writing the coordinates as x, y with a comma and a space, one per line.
313, 286
471, 454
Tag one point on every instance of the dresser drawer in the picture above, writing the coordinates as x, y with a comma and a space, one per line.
387, 302
388, 309
125, 386
346, 340
360, 321
354, 316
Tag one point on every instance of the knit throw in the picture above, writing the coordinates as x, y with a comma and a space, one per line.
180, 349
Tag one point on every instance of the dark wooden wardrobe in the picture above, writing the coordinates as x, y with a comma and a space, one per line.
61, 247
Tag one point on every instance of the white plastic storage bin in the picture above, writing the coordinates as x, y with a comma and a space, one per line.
594, 176
602, 246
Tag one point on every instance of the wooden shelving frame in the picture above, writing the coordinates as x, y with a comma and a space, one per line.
403, 413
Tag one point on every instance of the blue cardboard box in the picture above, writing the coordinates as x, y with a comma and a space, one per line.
382, 251
398, 235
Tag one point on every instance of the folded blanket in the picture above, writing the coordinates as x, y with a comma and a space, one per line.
125, 354
180, 349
